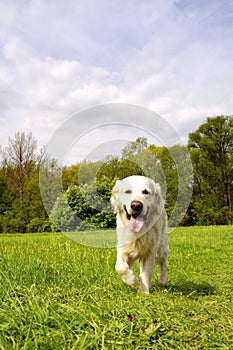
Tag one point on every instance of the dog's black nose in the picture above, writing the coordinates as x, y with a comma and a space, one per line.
136, 206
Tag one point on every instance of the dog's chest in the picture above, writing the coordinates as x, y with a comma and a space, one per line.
140, 248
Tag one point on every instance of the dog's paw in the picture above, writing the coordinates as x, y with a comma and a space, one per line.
134, 282
143, 289
162, 282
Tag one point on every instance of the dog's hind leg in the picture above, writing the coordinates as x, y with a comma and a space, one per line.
161, 260
163, 269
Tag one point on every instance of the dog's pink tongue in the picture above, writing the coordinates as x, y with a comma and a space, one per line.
136, 224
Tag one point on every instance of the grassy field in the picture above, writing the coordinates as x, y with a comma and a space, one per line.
58, 294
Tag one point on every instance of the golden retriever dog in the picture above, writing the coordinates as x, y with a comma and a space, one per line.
141, 230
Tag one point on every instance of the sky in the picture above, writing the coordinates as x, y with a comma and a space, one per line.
61, 57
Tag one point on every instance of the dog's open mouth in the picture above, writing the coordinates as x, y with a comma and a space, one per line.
136, 220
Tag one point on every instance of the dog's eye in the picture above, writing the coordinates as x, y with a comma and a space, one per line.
145, 192
128, 191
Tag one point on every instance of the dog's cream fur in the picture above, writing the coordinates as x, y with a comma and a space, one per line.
150, 244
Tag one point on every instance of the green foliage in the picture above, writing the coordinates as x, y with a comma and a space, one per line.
119, 168
85, 207
88, 172
20, 200
39, 225
3, 188
134, 147
18, 213
20, 161
91, 203
11, 223
87, 186
70, 176
211, 147
62, 216
49, 182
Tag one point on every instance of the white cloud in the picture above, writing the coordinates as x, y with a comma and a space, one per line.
43, 92
58, 58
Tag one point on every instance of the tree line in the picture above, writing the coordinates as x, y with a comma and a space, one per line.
87, 186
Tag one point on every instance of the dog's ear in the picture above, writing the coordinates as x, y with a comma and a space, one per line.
158, 194
115, 197
157, 189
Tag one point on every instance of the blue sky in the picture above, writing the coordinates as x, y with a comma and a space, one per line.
61, 57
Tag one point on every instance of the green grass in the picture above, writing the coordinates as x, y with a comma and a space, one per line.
58, 294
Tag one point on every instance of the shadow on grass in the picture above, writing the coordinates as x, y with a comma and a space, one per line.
191, 288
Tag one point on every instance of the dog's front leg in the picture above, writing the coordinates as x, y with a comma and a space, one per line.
124, 268
146, 271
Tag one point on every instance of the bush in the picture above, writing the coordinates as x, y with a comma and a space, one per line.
1, 224
62, 216
39, 225
13, 225
84, 207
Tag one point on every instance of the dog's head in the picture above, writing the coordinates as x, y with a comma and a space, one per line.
137, 199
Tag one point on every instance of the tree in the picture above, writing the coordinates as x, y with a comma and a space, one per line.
211, 147
134, 147
50, 182
20, 162
70, 175
20, 159
32, 202
118, 168
3, 187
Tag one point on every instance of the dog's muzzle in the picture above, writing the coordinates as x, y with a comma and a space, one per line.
137, 208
